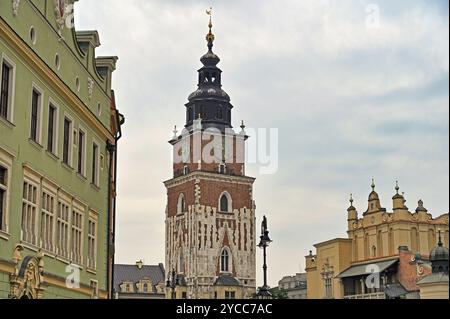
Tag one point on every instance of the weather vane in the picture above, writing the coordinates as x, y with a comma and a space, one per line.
210, 35
209, 12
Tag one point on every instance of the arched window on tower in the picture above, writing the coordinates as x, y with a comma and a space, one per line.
190, 114
214, 77
225, 203
181, 205
225, 258
201, 112
219, 113
180, 263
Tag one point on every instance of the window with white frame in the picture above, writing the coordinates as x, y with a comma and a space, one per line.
92, 244
3, 193
29, 212
35, 125
47, 221
181, 205
67, 141
225, 203
62, 231
225, 260
81, 153
95, 160
7, 73
52, 128
77, 236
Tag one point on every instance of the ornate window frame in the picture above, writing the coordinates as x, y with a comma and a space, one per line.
6, 162
230, 203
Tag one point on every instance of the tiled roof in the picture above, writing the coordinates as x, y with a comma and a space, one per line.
226, 280
131, 273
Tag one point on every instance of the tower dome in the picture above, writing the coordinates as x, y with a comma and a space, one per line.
439, 257
209, 102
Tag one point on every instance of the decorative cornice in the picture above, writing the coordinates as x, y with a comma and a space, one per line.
209, 176
41, 68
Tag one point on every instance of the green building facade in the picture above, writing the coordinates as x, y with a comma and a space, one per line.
59, 128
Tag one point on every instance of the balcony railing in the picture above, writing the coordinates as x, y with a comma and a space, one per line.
377, 295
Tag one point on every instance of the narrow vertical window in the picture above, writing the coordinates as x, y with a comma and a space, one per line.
51, 136
35, 102
67, 147
3, 190
5, 91
219, 113
224, 261
94, 179
47, 218
29, 213
92, 244
77, 236
62, 232
189, 114
81, 152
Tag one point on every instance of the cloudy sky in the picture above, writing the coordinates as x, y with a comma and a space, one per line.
353, 98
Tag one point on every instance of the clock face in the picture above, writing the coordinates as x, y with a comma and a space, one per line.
185, 152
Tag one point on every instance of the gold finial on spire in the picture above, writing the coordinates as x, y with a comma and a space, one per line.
351, 199
373, 184
210, 35
209, 12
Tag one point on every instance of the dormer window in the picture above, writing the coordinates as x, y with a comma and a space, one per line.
127, 287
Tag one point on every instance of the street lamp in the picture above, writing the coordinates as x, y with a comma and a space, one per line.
263, 292
172, 282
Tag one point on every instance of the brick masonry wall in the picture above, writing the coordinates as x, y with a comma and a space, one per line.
409, 271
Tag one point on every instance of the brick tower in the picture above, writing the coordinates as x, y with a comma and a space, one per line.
210, 214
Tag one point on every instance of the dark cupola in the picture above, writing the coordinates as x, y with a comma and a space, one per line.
439, 257
209, 102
